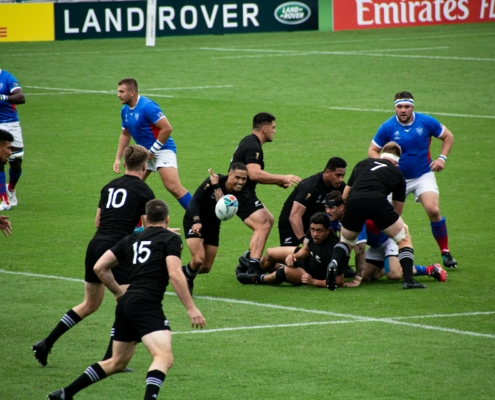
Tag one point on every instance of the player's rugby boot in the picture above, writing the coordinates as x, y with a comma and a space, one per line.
413, 285
41, 351
332, 276
249, 279
244, 261
438, 273
12, 198
58, 395
448, 260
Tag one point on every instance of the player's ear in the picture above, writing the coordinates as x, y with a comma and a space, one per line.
167, 219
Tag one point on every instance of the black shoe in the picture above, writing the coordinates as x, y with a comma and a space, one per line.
244, 261
190, 282
448, 260
413, 285
240, 270
332, 276
249, 279
41, 351
58, 395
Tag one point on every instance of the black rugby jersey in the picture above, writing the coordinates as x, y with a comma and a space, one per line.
249, 151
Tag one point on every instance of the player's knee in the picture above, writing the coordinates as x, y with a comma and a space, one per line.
434, 213
197, 261
205, 268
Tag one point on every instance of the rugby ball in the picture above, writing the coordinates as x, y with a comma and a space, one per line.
226, 207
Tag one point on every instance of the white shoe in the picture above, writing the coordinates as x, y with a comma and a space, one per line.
12, 198
4, 206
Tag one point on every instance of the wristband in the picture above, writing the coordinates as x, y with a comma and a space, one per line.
196, 220
442, 157
156, 146
301, 239
216, 186
4, 97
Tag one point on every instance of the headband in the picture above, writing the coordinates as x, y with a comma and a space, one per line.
334, 203
391, 156
404, 101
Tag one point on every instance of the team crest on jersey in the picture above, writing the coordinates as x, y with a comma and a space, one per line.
136, 116
419, 131
205, 187
257, 156
1, 86
396, 135
317, 258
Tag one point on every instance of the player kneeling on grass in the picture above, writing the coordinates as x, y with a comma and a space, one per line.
382, 258
154, 259
307, 265
201, 225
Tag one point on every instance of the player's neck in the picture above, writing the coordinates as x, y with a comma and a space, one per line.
133, 101
260, 136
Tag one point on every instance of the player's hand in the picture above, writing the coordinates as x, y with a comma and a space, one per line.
291, 180
437, 165
307, 279
116, 166
354, 283
118, 296
290, 260
150, 155
5, 225
196, 229
197, 319
213, 177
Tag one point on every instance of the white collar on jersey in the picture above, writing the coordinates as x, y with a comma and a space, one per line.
132, 108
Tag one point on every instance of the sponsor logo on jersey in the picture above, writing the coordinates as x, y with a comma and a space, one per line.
407, 130
317, 258
288, 240
190, 232
257, 203
292, 13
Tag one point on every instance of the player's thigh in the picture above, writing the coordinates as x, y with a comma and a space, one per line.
258, 220
279, 254
94, 293
196, 247
159, 343
431, 204
294, 275
392, 267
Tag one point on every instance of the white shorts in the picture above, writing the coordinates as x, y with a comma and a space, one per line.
387, 249
162, 159
14, 128
425, 183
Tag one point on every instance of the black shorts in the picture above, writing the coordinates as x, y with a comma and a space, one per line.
357, 211
96, 248
319, 273
210, 231
248, 205
287, 237
136, 316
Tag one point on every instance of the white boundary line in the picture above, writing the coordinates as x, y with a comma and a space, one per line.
391, 111
352, 318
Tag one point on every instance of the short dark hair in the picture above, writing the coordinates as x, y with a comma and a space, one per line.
403, 95
156, 211
335, 162
6, 136
238, 165
334, 195
134, 157
131, 83
261, 119
320, 218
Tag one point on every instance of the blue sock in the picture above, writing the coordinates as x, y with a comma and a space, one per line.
14, 178
420, 270
3, 186
185, 200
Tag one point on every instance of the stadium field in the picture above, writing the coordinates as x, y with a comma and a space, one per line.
329, 92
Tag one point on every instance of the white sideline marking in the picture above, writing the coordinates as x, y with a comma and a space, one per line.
365, 53
353, 318
424, 112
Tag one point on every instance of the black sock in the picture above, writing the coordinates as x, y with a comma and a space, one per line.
109, 352
154, 381
406, 259
69, 320
190, 273
254, 266
93, 374
340, 252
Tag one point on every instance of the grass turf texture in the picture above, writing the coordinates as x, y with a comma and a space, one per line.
340, 348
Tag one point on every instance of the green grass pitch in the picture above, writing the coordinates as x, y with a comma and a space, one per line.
329, 92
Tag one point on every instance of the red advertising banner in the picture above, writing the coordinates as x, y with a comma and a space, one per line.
375, 14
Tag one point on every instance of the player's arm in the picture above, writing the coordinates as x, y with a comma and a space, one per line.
398, 206
217, 190
178, 280
102, 268
256, 174
97, 218
124, 140
307, 279
165, 129
374, 151
347, 189
447, 139
301, 253
295, 219
15, 97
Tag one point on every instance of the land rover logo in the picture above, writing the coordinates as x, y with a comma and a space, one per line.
292, 13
